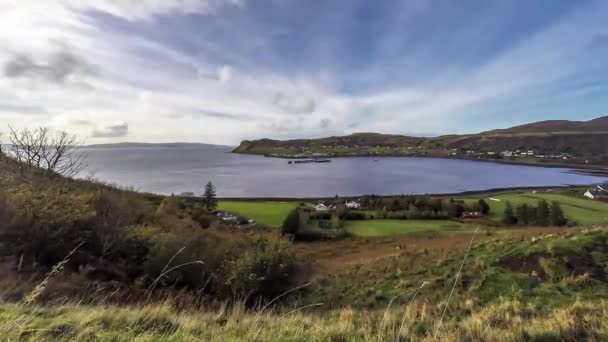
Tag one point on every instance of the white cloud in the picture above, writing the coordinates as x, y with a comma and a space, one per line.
117, 130
169, 95
146, 9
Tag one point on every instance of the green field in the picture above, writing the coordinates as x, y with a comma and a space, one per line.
578, 209
394, 227
266, 213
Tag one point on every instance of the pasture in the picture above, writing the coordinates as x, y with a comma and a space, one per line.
576, 208
268, 213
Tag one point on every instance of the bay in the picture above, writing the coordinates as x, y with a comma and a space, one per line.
179, 168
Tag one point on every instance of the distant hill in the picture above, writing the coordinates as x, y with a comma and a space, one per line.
555, 126
574, 142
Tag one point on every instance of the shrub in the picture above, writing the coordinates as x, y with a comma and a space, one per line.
291, 225
195, 245
47, 223
354, 216
263, 270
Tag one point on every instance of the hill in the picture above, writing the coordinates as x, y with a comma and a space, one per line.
583, 143
81, 261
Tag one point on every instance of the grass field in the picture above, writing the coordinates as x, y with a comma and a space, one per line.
266, 213
394, 227
578, 209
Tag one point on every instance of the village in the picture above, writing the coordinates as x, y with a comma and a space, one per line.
313, 153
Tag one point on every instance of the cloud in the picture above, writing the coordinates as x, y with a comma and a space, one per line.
148, 9
222, 115
80, 122
324, 123
24, 109
232, 75
294, 105
224, 73
61, 66
113, 131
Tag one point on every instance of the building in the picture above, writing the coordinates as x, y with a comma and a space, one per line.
321, 207
472, 214
598, 191
352, 204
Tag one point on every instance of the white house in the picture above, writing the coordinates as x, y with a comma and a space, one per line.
321, 207
352, 204
599, 191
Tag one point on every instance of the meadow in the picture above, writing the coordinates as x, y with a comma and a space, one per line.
577, 208
270, 214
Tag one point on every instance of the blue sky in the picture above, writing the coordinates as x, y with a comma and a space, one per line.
221, 71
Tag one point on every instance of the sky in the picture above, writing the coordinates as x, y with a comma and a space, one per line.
221, 71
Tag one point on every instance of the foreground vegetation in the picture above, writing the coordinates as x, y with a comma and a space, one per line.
503, 293
508, 321
394, 227
82, 261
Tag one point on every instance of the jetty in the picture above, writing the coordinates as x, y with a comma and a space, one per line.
305, 161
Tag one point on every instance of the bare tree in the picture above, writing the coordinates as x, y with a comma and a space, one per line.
56, 153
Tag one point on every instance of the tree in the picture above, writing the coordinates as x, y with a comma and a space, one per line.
291, 224
557, 217
336, 223
210, 198
483, 207
508, 217
522, 214
55, 153
542, 213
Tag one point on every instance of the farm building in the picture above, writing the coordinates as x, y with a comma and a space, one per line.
598, 191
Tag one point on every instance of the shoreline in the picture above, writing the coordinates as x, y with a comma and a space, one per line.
473, 193
586, 168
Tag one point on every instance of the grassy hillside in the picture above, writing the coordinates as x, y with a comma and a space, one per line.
396, 227
503, 293
81, 261
586, 142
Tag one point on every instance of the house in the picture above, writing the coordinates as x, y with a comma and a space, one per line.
321, 207
598, 191
352, 204
472, 214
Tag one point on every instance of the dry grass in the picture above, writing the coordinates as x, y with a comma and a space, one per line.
508, 321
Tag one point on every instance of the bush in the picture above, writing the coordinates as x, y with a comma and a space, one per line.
354, 216
262, 270
291, 225
195, 245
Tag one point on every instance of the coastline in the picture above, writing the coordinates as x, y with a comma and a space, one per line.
473, 193
582, 168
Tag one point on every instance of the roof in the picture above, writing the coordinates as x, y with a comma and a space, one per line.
597, 193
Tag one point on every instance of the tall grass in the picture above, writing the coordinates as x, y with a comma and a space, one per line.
508, 321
